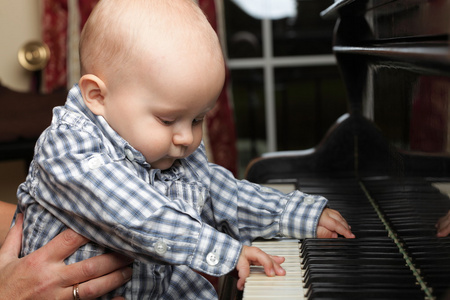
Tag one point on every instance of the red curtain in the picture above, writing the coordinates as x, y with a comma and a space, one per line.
220, 122
54, 34
85, 7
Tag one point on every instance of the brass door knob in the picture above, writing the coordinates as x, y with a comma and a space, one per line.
33, 56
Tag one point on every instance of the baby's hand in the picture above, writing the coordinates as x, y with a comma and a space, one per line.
331, 223
255, 256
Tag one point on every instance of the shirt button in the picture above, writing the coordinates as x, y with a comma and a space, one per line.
309, 200
95, 162
212, 259
129, 154
160, 247
201, 201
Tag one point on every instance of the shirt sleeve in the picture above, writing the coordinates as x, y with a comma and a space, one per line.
248, 211
106, 202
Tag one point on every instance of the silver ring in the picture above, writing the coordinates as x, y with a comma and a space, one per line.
75, 294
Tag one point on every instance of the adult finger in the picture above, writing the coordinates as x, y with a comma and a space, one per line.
94, 267
13, 241
62, 246
443, 226
100, 286
443, 232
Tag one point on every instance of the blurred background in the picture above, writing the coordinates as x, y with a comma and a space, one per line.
283, 91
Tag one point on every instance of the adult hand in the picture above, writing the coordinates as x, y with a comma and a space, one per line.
443, 225
43, 274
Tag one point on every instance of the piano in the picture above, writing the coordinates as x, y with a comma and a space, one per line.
383, 164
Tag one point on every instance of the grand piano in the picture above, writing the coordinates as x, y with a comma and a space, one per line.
384, 165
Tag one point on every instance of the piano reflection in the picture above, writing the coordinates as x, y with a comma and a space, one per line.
382, 165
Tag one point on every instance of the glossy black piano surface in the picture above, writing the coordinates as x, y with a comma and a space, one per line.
378, 163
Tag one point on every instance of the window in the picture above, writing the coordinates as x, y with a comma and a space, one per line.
286, 86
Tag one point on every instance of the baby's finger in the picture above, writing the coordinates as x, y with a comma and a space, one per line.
277, 261
243, 272
338, 217
261, 258
344, 230
324, 233
340, 224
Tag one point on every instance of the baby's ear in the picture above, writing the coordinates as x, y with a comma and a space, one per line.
93, 90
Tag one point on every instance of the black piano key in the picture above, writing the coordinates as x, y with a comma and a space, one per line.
353, 248
359, 278
347, 292
352, 271
359, 242
410, 209
353, 261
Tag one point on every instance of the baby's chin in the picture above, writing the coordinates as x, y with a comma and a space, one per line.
163, 163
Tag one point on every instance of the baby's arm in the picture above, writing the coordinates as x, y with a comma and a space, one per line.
255, 256
331, 223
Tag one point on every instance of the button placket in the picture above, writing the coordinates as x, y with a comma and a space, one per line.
129, 154
200, 202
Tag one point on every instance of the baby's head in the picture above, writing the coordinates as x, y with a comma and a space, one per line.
152, 69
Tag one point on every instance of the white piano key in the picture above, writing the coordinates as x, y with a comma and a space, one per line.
260, 286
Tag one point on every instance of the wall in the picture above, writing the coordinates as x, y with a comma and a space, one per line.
19, 24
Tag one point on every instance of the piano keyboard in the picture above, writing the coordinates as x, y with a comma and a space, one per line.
396, 254
394, 58
260, 286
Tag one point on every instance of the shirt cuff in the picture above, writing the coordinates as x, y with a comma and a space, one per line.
216, 253
301, 215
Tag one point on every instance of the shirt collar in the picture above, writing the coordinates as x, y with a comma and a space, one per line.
118, 147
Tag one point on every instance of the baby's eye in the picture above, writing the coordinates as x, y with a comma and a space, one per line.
166, 122
197, 121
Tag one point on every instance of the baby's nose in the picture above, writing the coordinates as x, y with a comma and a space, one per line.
183, 137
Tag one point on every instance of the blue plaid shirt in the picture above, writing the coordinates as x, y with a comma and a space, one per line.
193, 216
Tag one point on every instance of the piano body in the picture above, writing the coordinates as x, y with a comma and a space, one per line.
379, 165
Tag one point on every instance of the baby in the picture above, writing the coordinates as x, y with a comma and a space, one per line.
123, 162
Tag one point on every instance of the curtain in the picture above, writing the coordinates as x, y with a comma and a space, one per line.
62, 21
220, 120
54, 34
